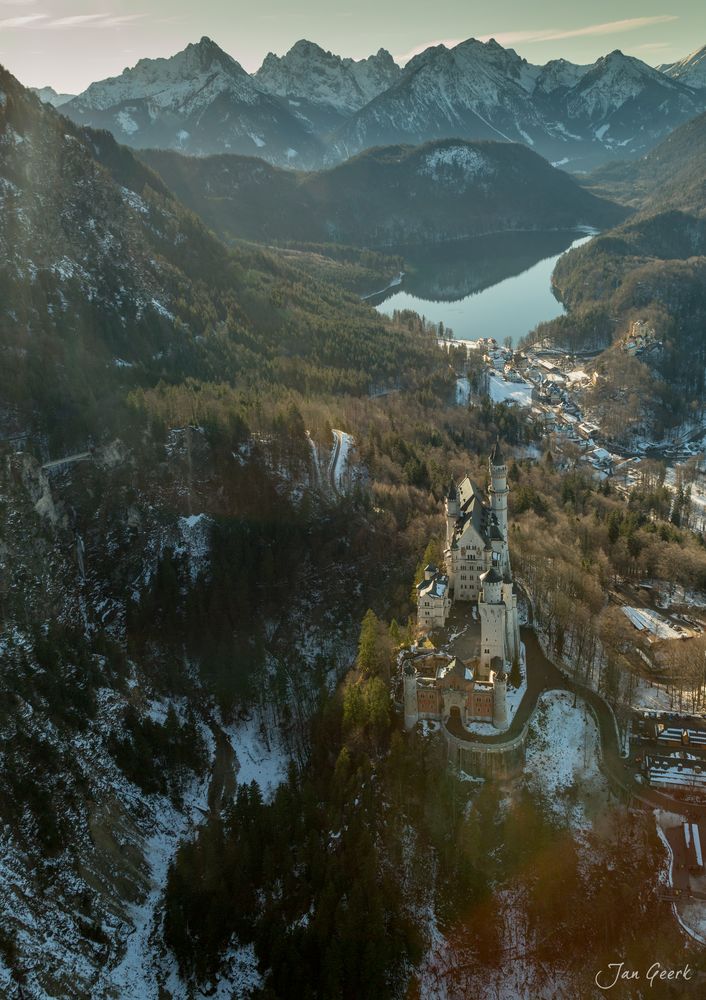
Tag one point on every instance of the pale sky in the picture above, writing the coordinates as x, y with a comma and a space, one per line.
69, 43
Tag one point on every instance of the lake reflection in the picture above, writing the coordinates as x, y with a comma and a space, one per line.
492, 286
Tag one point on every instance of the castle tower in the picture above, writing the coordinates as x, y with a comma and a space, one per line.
411, 710
452, 511
500, 700
498, 498
492, 613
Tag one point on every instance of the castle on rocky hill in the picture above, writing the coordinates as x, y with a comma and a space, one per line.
477, 558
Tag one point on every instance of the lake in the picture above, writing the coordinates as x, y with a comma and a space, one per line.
491, 286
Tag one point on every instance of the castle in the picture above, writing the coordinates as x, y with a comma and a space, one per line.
477, 559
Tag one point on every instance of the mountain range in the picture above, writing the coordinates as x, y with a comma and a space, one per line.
311, 108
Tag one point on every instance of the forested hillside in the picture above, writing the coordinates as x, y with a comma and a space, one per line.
650, 268
109, 284
391, 195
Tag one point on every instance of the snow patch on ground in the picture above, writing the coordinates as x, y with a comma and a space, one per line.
195, 544
260, 757
463, 391
455, 166
133, 977
562, 754
127, 123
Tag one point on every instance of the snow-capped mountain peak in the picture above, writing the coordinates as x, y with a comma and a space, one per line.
690, 70
170, 82
323, 78
559, 74
199, 101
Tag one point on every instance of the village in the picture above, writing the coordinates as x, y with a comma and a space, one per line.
550, 384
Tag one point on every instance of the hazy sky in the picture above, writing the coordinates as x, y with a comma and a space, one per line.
69, 43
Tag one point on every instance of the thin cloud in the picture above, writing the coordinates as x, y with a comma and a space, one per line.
22, 21
44, 22
74, 21
605, 28
550, 34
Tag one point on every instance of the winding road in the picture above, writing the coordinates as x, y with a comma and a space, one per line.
543, 675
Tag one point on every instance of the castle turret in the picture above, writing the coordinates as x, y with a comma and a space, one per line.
498, 497
452, 511
500, 700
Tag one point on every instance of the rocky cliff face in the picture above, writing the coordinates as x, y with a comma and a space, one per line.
310, 73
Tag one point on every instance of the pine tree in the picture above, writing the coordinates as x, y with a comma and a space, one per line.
368, 659
515, 674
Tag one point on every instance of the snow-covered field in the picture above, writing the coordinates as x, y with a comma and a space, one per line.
651, 696
501, 391
562, 756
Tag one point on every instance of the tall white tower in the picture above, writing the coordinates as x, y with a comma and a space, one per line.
492, 612
498, 500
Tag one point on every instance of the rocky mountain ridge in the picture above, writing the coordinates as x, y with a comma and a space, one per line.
311, 107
